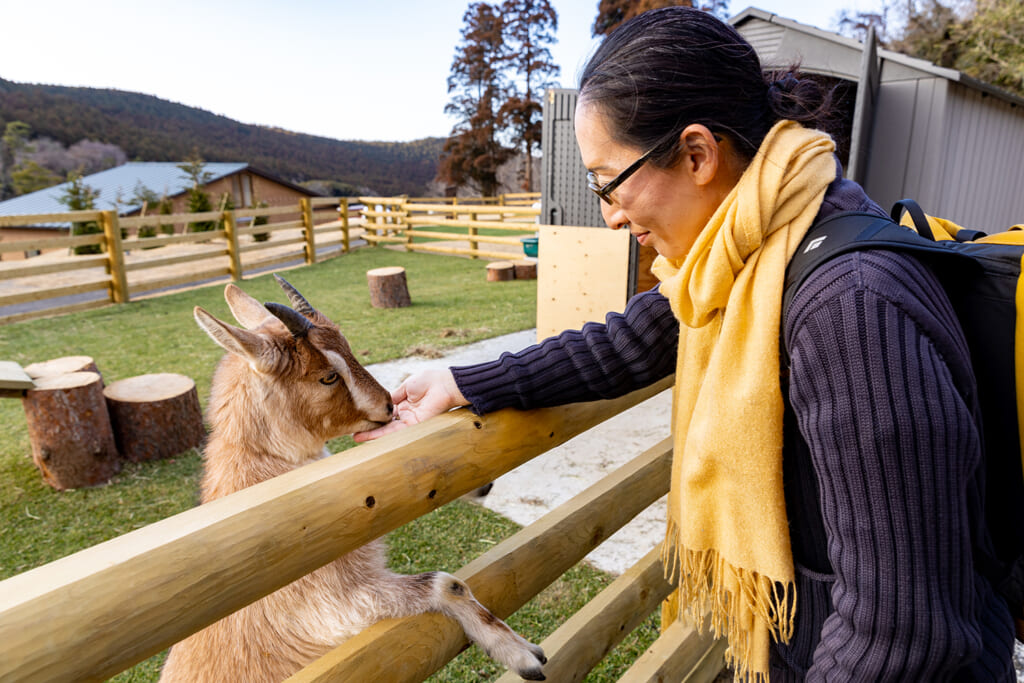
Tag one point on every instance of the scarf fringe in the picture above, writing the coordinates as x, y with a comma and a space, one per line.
705, 582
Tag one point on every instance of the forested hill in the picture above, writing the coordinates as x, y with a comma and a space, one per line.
150, 129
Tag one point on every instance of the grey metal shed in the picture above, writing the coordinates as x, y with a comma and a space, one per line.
913, 129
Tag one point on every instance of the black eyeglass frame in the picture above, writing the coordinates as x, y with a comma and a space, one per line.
603, 191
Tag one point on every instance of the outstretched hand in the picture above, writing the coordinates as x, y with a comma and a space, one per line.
419, 398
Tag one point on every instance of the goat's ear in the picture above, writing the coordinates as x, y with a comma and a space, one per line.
248, 345
246, 309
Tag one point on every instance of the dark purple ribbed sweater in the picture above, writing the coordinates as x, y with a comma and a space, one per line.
882, 461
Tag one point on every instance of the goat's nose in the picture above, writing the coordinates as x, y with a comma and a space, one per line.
391, 410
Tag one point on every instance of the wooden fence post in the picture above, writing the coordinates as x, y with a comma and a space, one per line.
231, 232
473, 245
307, 224
343, 207
115, 257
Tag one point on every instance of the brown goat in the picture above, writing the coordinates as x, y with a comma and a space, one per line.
288, 383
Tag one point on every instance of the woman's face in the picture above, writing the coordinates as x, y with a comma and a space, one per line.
664, 208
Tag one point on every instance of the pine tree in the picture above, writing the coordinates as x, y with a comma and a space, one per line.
473, 151
530, 27
78, 196
198, 198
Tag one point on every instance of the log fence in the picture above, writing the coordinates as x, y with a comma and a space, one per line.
99, 611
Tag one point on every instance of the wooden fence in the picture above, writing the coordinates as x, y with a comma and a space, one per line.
401, 220
307, 232
103, 609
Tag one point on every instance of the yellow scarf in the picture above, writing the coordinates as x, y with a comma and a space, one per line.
728, 536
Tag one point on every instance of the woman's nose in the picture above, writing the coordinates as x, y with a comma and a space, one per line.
613, 216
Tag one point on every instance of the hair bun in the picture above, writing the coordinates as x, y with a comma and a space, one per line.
786, 85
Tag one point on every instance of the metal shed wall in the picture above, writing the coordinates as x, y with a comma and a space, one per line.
953, 148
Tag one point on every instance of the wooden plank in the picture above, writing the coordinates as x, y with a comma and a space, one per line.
50, 243
269, 227
275, 260
503, 578
56, 310
76, 263
452, 236
478, 208
266, 211
582, 274
164, 240
679, 654
13, 377
259, 246
590, 634
43, 218
172, 260
53, 292
196, 276
509, 226
458, 251
153, 586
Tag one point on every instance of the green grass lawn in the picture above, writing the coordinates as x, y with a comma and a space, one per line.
452, 305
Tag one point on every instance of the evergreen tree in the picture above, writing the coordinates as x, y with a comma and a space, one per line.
198, 198
473, 151
78, 196
530, 27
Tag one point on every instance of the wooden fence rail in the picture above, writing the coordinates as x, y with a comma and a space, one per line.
307, 232
398, 220
105, 608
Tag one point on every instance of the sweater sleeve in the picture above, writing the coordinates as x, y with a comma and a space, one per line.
630, 350
880, 384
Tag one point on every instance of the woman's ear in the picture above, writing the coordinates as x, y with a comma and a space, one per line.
700, 153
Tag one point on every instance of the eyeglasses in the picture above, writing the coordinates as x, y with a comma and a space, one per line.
603, 191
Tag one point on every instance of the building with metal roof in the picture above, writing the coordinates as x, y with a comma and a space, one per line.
118, 189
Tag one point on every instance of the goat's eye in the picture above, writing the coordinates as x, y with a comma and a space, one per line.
329, 379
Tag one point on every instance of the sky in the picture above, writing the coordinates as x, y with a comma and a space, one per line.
343, 69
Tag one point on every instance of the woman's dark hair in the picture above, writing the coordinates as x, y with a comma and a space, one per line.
670, 67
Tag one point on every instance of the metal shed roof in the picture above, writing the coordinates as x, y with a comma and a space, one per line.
835, 65
117, 186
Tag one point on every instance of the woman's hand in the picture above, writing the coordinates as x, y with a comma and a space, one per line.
420, 397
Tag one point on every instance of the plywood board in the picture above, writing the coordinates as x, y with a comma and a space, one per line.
582, 274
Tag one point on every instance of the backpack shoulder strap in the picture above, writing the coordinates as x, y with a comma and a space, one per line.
852, 231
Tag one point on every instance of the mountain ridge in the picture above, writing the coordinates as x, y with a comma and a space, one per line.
149, 128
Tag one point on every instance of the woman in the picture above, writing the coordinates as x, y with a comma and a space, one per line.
832, 518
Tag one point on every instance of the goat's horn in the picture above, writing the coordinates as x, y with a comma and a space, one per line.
296, 324
298, 301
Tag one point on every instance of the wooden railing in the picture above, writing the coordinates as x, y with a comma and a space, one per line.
401, 220
101, 610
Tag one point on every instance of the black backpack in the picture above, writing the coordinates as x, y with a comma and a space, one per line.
982, 276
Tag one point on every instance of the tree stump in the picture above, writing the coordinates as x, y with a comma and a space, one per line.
155, 416
388, 288
526, 269
500, 271
69, 428
62, 366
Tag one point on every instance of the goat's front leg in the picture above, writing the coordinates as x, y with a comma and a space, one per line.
444, 593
